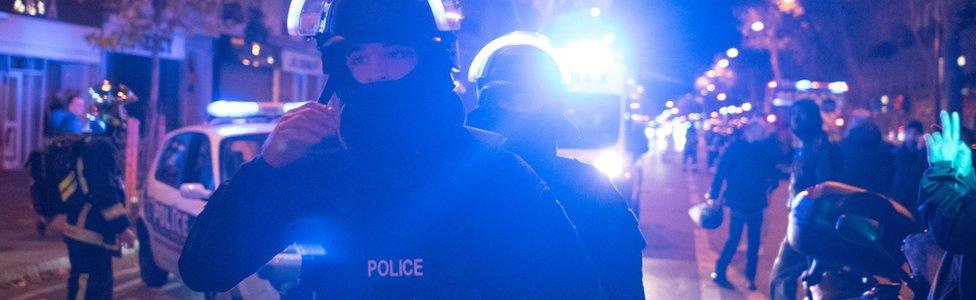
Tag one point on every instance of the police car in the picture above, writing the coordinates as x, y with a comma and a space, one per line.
191, 163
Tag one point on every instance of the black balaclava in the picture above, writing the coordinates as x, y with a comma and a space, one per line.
409, 115
806, 122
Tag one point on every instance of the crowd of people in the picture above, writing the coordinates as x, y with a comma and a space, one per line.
747, 173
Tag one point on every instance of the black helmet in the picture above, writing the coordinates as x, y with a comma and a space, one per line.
108, 113
708, 214
518, 59
428, 25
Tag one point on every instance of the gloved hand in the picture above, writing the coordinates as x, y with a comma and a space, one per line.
947, 145
963, 162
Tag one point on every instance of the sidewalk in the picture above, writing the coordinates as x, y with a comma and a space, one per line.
24, 255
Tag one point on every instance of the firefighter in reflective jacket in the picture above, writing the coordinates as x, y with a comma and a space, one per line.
93, 200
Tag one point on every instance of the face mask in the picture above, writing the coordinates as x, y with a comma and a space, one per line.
407, 112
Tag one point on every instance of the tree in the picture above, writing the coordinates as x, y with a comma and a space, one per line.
148, 24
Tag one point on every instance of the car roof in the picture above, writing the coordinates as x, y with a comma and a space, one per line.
225, 130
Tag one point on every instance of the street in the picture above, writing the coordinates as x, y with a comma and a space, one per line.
677, 261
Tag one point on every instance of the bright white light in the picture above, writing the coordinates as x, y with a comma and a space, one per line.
610, 163
609, 38
710, 87
961, 61
674, 110
804, 85
640, 89
838, 87
589, 57
233, 109
518, 38
710, 73
669, 104
771, 118
723, 110
885, 100
772, 84
839, 122
732, 53
595, 12
721, 96
292, 105
722, 63
635, 105
747, 106
757, 26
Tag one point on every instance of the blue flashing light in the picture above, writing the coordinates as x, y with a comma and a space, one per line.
233, 109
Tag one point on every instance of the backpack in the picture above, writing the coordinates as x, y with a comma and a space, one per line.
55, 180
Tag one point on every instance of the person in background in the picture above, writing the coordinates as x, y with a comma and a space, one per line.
817, 160
909, 166
866, 158
691, 149
66, 114
748, 170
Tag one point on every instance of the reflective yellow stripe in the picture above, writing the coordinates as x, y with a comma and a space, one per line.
71, 190
113, 212
81, 176
82, 286
89, 237
67, 181
83, 215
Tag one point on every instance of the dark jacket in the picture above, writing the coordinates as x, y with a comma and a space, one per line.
816, 161
867, 160
749, 173
947, 207
468, 221
606, 225
910, 165
95, 209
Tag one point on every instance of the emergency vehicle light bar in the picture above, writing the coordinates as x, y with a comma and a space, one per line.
309, 17
244, 109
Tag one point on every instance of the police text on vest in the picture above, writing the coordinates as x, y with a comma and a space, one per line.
408, 267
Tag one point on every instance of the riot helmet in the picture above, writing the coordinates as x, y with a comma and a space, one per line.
107, 114
338, 25
521, 81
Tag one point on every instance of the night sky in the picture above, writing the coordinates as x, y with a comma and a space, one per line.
679, 41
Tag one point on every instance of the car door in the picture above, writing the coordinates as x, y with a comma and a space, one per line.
185, 158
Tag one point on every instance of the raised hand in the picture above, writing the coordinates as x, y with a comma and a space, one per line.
942, 146
297, 131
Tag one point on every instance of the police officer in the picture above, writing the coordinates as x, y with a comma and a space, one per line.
520, 91
92, 196
413, 205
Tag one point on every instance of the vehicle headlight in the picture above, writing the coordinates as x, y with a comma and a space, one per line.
610, 163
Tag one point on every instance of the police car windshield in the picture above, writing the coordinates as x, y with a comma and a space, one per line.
598, 118
238, 150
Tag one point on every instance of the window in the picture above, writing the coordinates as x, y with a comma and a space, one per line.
171, 164
186, 159
235, 151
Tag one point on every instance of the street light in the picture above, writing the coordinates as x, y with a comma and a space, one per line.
961, 61
758, 26
710, 87
721, 96
723, 63
732, 52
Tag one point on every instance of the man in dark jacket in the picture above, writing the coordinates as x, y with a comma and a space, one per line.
947, 197
816, 161
413, 207
866, 158
519, 98
749, 173
910, 164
